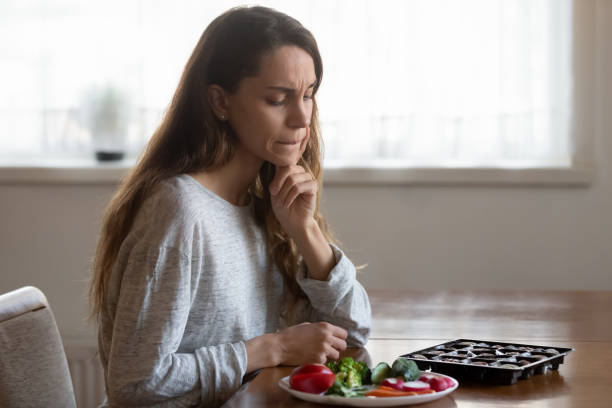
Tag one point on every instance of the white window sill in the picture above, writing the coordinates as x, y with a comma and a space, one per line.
72, 171
485, 176
92, 172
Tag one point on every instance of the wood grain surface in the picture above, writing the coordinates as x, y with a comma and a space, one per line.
407, 321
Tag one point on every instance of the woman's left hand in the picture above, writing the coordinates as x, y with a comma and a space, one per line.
293, 193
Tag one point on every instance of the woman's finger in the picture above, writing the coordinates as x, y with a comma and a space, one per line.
291, 181
338, 344
307, 188
339, 332
305, 141
332, 353
281, 175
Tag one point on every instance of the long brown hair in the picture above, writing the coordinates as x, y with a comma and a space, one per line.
190, 138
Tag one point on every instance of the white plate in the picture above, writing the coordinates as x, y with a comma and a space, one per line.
368, 401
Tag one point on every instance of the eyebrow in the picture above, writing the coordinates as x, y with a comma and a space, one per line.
288, 90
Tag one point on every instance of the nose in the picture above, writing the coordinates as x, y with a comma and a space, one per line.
299, 115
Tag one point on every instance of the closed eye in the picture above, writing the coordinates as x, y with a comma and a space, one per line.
276, 103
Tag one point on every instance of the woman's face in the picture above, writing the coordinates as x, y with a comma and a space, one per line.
270, 112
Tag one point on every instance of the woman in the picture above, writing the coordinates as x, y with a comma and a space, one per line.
213, 257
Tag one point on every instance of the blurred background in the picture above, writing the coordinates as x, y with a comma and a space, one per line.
467, 142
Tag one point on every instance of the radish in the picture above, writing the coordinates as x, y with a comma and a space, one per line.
427, 377
395, 383
437, 383
415, 386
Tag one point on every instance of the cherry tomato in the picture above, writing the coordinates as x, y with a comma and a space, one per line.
312, 378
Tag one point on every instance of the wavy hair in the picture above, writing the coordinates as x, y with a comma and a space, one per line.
191, 138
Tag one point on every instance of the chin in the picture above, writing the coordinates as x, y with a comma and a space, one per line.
283, 159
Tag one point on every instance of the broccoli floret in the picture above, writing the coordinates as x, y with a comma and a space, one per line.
353, 379
346, 364
333, 365
364, 372
350, 373
405, 368
339, 389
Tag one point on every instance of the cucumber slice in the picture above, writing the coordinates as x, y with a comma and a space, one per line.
380, 372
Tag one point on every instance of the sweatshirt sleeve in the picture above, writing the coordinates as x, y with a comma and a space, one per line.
145, 366
339, 300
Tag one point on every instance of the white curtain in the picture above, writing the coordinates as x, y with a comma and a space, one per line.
406, 83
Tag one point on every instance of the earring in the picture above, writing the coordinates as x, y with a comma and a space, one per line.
222, 117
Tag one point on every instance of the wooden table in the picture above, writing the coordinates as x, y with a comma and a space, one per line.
405, 321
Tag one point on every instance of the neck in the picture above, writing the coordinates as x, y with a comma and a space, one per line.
232, 180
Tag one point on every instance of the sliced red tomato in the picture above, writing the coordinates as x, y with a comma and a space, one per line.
312, 378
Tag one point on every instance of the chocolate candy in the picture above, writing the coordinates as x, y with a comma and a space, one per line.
489, 361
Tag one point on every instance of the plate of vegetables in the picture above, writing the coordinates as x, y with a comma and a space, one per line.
352, 383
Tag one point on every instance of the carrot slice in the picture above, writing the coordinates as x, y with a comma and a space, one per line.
384, 391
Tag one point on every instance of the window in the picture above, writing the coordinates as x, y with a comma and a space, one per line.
414, 83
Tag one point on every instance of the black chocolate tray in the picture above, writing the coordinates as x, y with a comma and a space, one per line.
489, 361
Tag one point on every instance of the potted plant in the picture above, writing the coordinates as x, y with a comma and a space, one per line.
105, 114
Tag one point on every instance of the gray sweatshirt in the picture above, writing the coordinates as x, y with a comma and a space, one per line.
191, 283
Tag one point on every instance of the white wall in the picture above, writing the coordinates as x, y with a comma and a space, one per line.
411, 237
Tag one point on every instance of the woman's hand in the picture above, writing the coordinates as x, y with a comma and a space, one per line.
304, 343
309, 343
293, 193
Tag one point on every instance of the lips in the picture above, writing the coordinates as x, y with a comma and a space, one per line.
289, 143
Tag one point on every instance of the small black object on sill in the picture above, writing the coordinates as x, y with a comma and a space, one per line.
106, 156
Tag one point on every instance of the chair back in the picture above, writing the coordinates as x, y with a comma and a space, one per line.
33, 367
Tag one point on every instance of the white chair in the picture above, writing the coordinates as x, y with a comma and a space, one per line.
33, 367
